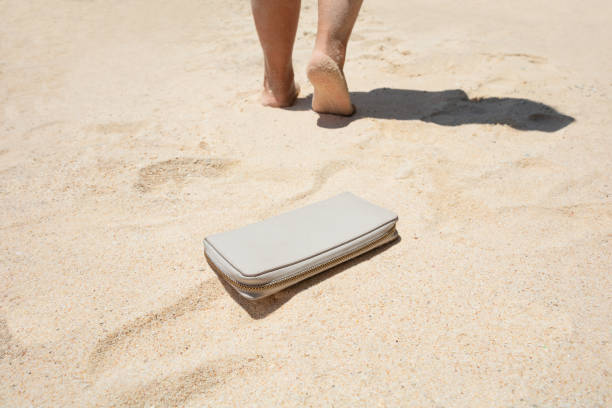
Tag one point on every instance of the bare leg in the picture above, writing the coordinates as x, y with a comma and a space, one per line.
325, 70
276, 23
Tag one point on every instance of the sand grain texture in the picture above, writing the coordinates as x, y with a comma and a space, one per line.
129, 130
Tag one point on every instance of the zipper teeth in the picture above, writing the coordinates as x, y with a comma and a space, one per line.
387, 237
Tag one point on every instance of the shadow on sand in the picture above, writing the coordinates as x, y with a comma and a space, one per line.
446, 108
259, 309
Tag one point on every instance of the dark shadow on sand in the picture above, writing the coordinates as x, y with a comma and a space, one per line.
259, 309
446, 108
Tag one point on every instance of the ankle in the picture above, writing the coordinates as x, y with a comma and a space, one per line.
279, 91
279, 82
334, 49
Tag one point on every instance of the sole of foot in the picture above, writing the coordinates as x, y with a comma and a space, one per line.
330, 90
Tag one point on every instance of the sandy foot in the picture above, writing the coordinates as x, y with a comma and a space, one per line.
330, 90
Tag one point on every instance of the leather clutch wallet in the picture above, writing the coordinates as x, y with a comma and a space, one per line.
263, 258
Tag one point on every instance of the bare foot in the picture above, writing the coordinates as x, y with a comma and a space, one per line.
330, 90
279, 96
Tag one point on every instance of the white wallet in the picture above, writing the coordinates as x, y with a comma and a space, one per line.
263, 258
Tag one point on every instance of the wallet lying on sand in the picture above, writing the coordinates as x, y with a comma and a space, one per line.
266, 257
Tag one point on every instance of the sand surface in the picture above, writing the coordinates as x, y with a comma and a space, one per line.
129, 130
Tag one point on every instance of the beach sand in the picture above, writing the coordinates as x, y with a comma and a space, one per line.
129, 130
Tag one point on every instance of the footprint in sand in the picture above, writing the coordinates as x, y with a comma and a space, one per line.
177, 389
114, 350
113, 346
178, 170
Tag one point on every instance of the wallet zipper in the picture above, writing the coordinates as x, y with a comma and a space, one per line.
387, 237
